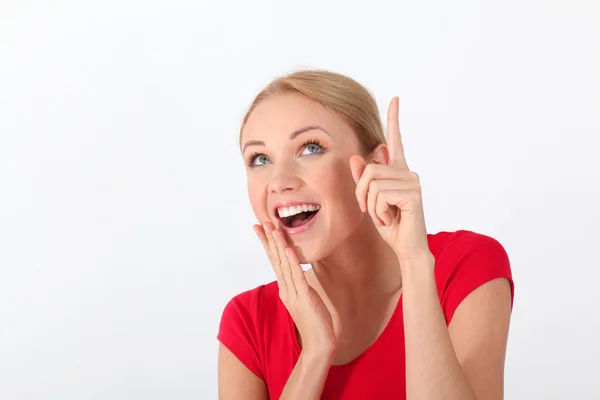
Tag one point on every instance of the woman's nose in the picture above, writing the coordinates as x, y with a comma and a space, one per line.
284, 181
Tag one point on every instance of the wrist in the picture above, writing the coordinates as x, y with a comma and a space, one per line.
420, 267
308, 377
317, 358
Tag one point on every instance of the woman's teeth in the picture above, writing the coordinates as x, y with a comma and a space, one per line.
293, 210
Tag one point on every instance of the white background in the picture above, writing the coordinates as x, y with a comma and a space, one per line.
124, 222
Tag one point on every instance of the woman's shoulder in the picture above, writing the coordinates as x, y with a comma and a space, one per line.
257, 307
467, 249
251, 321
452, 244
464, 260
244, 324
264, 295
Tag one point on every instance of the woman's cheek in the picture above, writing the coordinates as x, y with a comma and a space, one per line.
258, 201
337, 181
339, 189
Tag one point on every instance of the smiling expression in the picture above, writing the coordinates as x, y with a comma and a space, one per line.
296, 154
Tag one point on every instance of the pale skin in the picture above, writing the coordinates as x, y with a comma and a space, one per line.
348, 287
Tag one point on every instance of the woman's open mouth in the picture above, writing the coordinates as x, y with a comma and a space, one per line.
298, 217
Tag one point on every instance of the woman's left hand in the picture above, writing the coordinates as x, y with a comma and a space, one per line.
392, 195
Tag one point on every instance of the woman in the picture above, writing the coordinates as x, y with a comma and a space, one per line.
387, 311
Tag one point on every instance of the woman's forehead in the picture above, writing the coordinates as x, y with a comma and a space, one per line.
281, 115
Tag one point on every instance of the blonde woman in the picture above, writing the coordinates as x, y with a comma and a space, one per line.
387, 311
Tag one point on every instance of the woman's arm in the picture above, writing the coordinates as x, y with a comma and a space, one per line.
308, 378
237, 382
465, 360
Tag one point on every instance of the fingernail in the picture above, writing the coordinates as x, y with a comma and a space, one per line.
362, 207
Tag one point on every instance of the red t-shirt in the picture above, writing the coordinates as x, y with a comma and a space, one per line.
258, 329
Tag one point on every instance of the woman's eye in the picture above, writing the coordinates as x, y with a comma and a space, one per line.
260, 159
312, 148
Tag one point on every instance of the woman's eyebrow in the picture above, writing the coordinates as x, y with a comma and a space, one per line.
306, 129
293, 135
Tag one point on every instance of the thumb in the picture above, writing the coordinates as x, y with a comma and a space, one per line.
357, 166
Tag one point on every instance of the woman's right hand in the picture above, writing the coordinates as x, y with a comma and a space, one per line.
304, 304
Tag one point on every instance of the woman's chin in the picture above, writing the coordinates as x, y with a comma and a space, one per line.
304, 260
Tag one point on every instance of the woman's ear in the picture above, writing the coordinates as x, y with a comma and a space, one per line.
380, 155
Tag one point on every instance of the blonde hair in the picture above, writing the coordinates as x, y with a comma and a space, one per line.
335, 92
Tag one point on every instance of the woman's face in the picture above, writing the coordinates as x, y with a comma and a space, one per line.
296, 154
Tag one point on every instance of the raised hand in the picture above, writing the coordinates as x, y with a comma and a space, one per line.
392, 195
304, 304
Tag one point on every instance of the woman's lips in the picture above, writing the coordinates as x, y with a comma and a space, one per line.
286, 204
300, 228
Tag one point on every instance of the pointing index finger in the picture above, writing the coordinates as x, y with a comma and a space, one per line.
394, 138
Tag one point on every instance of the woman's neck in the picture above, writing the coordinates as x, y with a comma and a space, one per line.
361, 269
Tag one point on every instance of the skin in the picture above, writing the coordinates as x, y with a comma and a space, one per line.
349, 287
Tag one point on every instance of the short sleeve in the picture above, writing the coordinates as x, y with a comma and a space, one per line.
239, 330
466, 262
